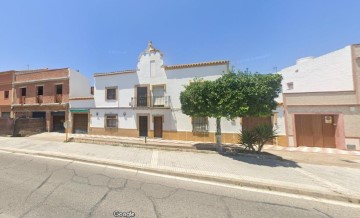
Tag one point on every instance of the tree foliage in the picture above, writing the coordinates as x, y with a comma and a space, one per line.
232, 95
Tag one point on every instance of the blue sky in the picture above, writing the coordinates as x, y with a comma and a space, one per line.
108, 35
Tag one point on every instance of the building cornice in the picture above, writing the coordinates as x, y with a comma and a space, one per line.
81, 98
114, 73
200, 64
43, 104
41, 80
22, 72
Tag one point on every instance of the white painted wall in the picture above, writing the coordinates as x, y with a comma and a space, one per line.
178, 78
150, 68
125, 84
280, 113
82, 104
330, 72
80, 85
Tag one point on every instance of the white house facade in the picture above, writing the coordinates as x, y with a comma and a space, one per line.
322, 100
146, 102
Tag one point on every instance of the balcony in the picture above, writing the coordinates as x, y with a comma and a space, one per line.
58, 98
23, 100
155, 102
39, 99
160, 101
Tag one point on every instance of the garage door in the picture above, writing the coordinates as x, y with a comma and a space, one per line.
315, 130
80, 123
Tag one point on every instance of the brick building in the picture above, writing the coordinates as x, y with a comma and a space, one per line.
45, 94
6, 93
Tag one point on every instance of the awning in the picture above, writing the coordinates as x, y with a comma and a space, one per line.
79, 110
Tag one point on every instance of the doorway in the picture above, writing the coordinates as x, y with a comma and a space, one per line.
142, 97
58, 119
315, 130
158, 127
80, 123
143, 126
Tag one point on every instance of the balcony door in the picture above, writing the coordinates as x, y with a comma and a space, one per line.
142, 96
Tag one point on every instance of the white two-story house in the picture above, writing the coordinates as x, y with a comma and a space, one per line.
146, 101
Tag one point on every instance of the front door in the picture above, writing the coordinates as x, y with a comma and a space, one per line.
143, 126
158, 127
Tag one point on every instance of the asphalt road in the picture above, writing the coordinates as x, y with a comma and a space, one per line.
41, 187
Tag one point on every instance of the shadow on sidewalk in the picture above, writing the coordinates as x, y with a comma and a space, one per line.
263, 159
238, 154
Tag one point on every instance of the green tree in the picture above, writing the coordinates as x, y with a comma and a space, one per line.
232, 95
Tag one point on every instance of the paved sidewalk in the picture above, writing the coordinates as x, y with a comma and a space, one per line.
340, 183
102, 139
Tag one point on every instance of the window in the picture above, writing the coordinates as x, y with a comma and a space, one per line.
5, 115
23, 91
6, 94
111, 94
200, 124
111, 121
290, 85
59, 89
40, 90
92, 90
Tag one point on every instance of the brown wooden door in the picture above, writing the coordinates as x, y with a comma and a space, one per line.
158, 128
143, 126
328, 131
80, 123
304, 132
251, 122
314, 130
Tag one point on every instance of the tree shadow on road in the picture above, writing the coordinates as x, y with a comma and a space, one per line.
246, 156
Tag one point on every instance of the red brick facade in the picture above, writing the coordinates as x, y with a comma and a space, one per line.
49, 92
5, 92
26, 76
47, 102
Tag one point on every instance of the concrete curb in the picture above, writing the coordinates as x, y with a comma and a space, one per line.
237, 182
167, 148
140, 145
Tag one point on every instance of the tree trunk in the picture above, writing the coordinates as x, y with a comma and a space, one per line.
218, 135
